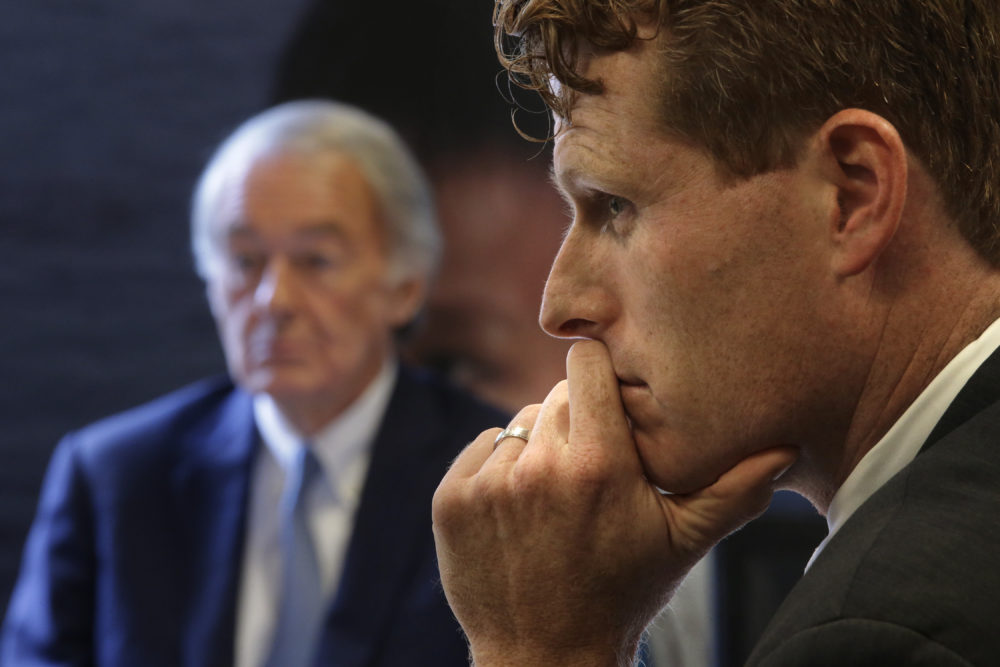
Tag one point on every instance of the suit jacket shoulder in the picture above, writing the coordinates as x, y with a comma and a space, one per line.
911, 578
128, 560
160, 432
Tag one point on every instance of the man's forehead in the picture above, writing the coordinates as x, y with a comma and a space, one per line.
630, 84
305, 230
602, 136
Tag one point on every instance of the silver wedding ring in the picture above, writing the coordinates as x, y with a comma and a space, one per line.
512, 432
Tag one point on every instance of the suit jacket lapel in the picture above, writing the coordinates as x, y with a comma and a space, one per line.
389, 535
210, 492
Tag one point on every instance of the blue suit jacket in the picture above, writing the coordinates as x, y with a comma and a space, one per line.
134, 556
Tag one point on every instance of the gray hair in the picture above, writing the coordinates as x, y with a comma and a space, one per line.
307, 127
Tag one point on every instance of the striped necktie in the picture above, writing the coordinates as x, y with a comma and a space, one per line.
301, 610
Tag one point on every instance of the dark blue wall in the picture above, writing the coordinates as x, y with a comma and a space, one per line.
107, 111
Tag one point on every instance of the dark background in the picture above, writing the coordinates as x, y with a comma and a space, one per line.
107, 112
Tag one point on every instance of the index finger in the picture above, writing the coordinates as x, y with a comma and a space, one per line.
596, 412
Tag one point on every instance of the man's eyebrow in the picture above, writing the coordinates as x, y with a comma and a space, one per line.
324, 228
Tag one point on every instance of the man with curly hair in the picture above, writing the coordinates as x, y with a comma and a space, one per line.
784, 266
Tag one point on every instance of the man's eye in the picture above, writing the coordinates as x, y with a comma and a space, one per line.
616, 205
618, 215
246, 261
318, 261
315, 261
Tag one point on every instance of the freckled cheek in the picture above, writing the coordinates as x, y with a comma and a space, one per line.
667, 302
696, 289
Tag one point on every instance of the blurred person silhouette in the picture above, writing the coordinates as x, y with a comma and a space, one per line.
503, 222
281, 516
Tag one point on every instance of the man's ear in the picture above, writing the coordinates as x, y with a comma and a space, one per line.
868, 165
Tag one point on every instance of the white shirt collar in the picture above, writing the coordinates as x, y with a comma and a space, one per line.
343, 445
903, 441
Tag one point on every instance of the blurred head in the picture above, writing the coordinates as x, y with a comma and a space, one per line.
314, 231
503, 222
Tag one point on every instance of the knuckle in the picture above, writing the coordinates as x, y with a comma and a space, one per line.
445, 505
491, 490
526, 416
528, 480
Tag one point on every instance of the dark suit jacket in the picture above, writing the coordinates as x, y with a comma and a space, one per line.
135, 554
913, 577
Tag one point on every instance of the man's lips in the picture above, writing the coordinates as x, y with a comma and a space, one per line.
630, 381
632, 392
632, 389
276, 350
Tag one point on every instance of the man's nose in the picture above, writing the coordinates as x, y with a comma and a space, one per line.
577, 302
277, 290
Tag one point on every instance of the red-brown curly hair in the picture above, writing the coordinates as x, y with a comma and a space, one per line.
748, 79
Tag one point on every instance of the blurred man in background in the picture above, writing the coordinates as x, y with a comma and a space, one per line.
279, 517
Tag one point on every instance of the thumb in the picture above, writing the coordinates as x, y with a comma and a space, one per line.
699, 520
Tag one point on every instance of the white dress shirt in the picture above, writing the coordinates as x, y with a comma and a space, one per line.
343, 448
683, 634
903, 441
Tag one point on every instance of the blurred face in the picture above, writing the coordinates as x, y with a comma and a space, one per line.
502, 222
300, 290
706, 290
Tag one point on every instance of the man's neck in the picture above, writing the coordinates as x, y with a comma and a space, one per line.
917, 340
